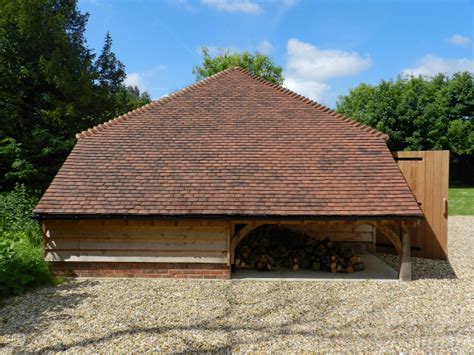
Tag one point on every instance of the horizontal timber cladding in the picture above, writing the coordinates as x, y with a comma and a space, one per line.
136, 241
338, 232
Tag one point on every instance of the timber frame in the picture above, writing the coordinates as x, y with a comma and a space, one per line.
195, 241
401, 244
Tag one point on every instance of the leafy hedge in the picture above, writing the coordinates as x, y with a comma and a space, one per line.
21, 257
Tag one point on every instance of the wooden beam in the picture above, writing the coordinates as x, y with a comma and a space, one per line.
241, 235
405, 258
391, 235
44, 239
328, 222
216, 259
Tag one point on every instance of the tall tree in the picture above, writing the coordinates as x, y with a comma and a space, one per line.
111, 71
257, 63
112, 96
50, 87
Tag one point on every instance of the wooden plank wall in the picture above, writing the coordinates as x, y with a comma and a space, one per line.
137, 241
427, 175
337, 232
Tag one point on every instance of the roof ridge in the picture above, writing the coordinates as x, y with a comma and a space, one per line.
315, 104
116, 120
123, 117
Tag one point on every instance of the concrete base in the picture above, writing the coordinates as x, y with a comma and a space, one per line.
375, 269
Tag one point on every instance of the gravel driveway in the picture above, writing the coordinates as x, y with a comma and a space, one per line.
433, 313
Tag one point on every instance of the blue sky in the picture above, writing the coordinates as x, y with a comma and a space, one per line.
325, 47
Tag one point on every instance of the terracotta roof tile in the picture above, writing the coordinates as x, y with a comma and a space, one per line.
232, 144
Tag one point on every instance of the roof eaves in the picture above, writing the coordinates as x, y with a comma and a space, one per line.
49, 215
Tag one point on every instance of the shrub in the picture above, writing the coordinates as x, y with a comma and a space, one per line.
21, 257
16, 209
21, 265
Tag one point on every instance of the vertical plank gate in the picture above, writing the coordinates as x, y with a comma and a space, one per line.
427, 175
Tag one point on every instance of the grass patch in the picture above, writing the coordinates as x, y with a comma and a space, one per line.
461, 201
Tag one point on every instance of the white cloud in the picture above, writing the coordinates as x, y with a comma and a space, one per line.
308, 67
135, 79
265, 47
459, 40
146, 79
313, 89
306, 60
431, 65
244, 6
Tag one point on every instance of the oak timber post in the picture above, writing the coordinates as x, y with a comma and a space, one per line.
405, 257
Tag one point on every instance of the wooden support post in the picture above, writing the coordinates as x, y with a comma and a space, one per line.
405, 258
230, 252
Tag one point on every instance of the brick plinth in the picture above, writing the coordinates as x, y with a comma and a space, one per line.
150, 270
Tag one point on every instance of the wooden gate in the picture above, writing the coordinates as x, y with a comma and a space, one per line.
427, 175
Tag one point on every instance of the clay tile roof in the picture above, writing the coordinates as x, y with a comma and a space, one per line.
231, 145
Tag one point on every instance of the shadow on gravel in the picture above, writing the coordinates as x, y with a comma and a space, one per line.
265, 333
427, 269
40, 307
240, 318
422, 269
190, 345
185, 332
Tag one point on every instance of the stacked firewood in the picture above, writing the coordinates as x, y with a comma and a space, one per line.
272, 248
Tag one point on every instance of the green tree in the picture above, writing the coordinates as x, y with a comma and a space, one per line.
50, 87
133, 98
112, 96
256, 63
110, 70
419, 113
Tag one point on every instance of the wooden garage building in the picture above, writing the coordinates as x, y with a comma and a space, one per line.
170, 189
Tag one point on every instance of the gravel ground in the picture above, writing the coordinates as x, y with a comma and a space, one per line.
433, 313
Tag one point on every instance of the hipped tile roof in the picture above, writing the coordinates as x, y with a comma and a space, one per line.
231, 145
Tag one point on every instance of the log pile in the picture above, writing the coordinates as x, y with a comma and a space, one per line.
272, 248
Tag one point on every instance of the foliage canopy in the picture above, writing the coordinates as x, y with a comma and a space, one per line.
51, 87
421, 113
418, 113
256, 63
